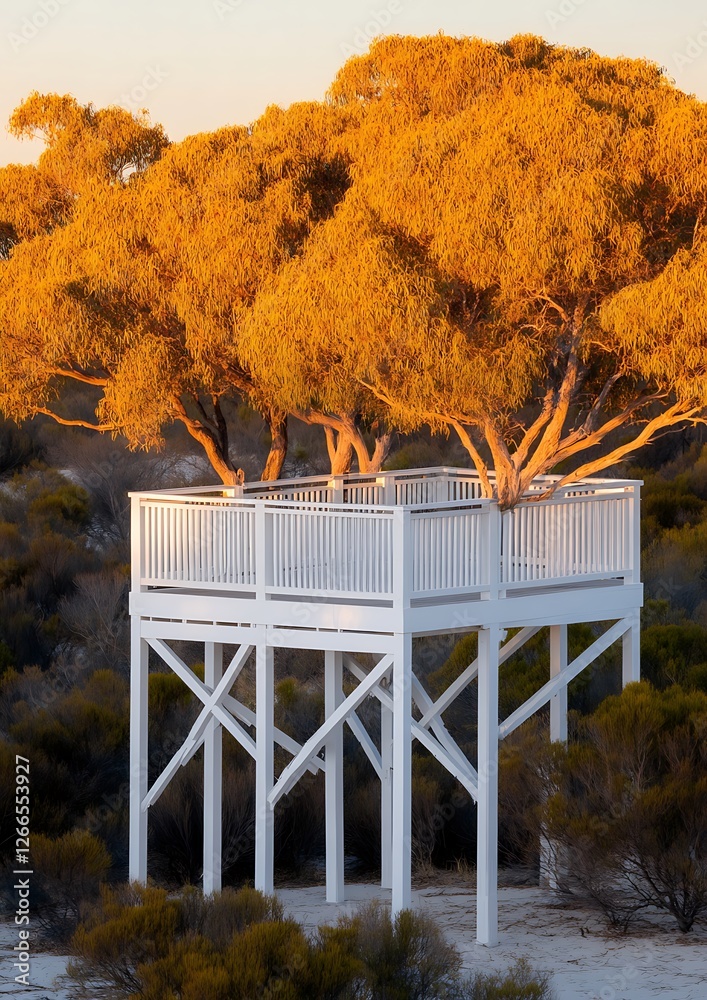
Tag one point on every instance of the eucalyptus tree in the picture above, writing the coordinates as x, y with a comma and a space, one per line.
350, 291
84, 146
560, 199
143, 292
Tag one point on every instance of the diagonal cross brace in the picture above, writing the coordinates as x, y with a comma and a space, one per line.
424, 703
468, 675
369, 747
182, 757
299, 764
547, 691
215, 698
247, 715
454, 761
203, 693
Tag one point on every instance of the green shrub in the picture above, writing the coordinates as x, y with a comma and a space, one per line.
675, 654
519, 983
631, 805
402, 959
70, 870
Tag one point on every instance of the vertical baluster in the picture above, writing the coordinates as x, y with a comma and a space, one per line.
546, 555
154, 547
161, 542
561, 530
176, 515
241, 565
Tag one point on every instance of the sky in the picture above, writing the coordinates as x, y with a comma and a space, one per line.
199, 64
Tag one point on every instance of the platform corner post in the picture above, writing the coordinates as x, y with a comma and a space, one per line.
264, 766
334, 779
550, 853
402, 773
487, 804
213, 778
139, 662
386, 797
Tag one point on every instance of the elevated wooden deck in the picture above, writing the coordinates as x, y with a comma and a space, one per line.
416, 552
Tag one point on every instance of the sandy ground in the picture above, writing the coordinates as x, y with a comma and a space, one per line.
653, 960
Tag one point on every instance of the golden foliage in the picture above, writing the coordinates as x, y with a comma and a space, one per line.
503, 239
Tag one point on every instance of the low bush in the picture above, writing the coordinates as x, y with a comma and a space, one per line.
72, 869
143, 943
520, 983
630, 809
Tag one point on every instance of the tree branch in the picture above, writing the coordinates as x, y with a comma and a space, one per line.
101, 428
79, 376
476, 458
579, 441
673, 416
531, 434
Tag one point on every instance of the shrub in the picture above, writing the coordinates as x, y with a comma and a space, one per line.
236, 946
519, 983
71, 869
675, 654
631, 805
402, 959
143, 942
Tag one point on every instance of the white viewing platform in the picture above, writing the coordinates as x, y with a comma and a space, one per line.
363, 564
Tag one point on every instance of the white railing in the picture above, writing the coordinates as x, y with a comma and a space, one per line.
450, 550
320, 551
197, 544
392, 537
585, 535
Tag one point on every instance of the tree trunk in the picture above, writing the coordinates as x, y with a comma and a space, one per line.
277, 422
221, 464
216, 451
343, 455
380, 452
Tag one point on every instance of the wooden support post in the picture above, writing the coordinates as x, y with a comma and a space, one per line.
549, 859
386, 797
487, 806
264, 766
558, 703
402, 773
213, 777
334, 779
631, 650
139, 652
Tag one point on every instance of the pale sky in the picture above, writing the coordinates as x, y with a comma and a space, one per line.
200, 64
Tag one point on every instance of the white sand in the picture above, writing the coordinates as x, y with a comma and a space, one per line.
45, 969
653, 960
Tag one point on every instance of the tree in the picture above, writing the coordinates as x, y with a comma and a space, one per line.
145, 290
84, 147
349, 292
558, 200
